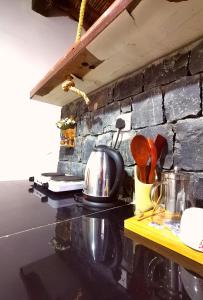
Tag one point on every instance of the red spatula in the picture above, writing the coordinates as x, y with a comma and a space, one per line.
141, 153
153, 154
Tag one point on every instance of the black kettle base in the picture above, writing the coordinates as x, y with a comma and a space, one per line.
98, 204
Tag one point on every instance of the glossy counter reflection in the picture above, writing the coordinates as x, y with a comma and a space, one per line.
85, 255
90, 258
24, 207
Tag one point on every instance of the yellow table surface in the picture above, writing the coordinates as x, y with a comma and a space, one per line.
162, 236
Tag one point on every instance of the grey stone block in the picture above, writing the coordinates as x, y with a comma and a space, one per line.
97, 121
105, 139
124, 147
87, 147
130, 171
170, 69
126, 105
128, 86
78, 148
84, 125
70, 110
147, 109
79, 128
63, 153
82, 107
128, 184
167, 132
198, 188
77, 169
72, 154
101, 97
64, 167
196, 59
71, 168
182, 98
188, 153
111, 112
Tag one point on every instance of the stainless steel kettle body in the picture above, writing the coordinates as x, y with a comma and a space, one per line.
103, 174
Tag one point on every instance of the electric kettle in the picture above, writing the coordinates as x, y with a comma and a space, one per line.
103, 176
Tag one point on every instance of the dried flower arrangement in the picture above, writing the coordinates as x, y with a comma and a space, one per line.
66, 123
68, 132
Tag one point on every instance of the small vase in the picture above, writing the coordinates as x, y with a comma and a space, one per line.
68, 137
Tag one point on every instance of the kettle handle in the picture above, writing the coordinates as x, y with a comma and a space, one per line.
117, 158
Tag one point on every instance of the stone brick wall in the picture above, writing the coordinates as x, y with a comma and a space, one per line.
164, 97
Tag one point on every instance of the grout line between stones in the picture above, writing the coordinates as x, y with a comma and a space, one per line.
143, 80
188, 64
174, 140
163, 106
201, 92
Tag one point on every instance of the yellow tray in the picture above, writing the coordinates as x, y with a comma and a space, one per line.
162, 236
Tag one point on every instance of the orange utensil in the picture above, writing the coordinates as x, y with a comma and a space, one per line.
153, 154
160, 144
141, 153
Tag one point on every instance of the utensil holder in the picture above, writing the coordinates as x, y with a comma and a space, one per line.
142, 199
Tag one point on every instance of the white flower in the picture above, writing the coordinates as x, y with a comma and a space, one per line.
65, 123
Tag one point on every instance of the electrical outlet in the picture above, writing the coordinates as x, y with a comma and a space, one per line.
127, 118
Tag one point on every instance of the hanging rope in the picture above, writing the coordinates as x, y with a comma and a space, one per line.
81, 19
69, 83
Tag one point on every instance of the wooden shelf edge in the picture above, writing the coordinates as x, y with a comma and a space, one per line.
45, 85
166, 252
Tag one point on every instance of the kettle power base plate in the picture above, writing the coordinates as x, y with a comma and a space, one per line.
162, 236
98, 204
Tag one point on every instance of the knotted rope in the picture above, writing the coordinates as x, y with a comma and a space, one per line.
70, 85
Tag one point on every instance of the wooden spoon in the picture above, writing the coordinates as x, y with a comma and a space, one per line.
141, 153
153, 154
160, 144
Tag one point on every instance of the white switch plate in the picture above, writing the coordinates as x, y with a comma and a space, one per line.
127, 118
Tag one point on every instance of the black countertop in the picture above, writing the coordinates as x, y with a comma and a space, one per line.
61, 250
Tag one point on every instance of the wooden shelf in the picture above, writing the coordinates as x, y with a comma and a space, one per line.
78, 60
127, 37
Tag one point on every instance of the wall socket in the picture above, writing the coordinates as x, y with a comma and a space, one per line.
127, 118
